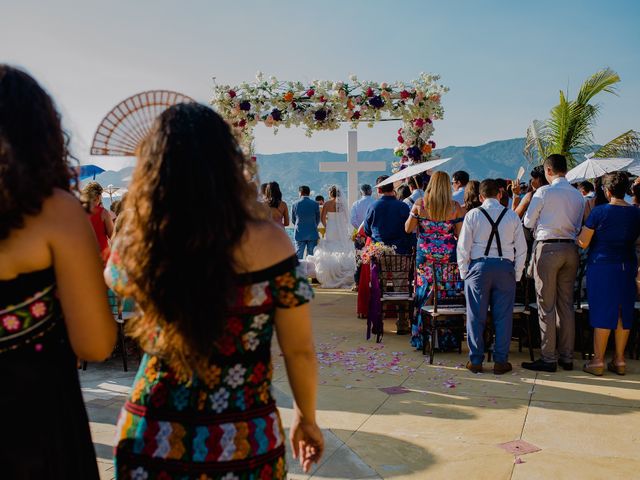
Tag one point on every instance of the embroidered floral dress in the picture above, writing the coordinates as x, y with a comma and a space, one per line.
436, 244
222, 426
44, 430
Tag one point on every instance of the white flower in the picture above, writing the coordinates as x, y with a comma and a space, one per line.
304, 291
258, 294
219, 400
353, 78
139, 474
259, 321
235, 375
250, 341
229, 476
259, 76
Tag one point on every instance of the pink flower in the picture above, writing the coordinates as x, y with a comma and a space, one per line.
11, 323
418, 122
38, 309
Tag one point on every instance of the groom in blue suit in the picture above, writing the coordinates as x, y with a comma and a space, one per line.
305, 215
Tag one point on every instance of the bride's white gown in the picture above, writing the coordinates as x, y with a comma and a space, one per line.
334, 259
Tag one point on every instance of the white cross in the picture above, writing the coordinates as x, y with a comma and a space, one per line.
352, 167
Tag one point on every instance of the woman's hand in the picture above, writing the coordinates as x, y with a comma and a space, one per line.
307, 443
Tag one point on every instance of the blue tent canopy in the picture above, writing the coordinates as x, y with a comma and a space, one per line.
88, 171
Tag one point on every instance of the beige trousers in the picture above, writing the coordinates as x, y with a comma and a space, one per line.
555, 266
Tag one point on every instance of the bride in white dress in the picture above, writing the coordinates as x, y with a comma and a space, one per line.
334, 259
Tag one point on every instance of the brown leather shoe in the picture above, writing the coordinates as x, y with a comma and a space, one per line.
474, 368
500, 368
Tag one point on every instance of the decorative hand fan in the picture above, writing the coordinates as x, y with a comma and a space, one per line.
124, 127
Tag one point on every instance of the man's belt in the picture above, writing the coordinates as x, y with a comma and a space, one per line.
557, 240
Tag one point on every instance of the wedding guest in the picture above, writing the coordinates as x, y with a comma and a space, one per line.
506, 192
305, 214
472, 196
538, 180
491, 255
635, 190
203, 389
598, 199
319, 200
279, 209
360, 206
403, 193
459, 183
586, 189
100, 218
385, 219
416, 186
52, 295
611, 232
555, 215
437, 219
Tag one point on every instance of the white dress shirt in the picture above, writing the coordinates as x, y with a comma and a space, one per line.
555, 211
458, 196
359, 210
475, 233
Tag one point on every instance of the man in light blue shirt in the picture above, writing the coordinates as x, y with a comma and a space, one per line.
360, 207
459, 182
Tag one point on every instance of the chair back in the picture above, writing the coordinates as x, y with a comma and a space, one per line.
448, 287
396, 272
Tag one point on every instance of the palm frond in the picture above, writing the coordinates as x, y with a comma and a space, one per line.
536, 145
626, 145
559, 125
601, 81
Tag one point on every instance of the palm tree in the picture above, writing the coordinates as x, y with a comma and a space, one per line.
569, 130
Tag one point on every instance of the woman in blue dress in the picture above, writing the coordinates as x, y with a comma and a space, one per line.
611, 232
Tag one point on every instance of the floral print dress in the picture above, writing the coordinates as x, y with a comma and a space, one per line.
436, 244
225, 425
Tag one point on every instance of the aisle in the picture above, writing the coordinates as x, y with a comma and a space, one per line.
442, 421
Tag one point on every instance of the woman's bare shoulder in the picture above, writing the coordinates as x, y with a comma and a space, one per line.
265, 243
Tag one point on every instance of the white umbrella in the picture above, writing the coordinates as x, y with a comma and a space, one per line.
596, 167
634, 168
412, 170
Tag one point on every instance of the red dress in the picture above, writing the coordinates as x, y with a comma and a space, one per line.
364, 289
101, 231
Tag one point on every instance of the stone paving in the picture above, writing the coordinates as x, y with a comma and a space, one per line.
432, 421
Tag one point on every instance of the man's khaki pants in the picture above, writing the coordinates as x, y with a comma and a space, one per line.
555, 266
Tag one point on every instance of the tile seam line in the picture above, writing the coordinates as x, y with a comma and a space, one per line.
524, 422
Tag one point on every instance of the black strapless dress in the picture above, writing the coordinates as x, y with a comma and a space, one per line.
44, 429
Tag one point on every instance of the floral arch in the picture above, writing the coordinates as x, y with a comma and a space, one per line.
324, 105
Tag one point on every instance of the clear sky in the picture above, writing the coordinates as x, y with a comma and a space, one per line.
505, 61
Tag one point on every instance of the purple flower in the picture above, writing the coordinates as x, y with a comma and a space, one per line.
245, 105
376, 102
276, 114
320, 115
414, 152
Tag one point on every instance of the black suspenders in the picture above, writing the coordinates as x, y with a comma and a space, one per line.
494, 231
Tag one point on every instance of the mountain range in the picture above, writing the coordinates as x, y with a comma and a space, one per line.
501, 158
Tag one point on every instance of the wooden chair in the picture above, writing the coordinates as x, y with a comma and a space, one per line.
120, 315
396, 273
447, 308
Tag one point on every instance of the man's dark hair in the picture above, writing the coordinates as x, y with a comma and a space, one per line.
403, 191
319, 198
461, 176
586, 186
385, 188
365, 189
489, 188
556, 162
616, 183
304, 190
635, 191
501, 182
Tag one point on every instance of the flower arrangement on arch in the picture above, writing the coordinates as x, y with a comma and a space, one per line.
374, 251
324, 105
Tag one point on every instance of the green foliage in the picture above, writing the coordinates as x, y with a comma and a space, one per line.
569, 129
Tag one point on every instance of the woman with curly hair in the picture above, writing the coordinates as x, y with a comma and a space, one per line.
214, 282
99, 217
53, 302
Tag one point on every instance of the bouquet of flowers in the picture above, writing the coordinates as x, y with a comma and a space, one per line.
373, 251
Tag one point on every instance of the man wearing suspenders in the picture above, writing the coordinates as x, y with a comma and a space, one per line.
491, 256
